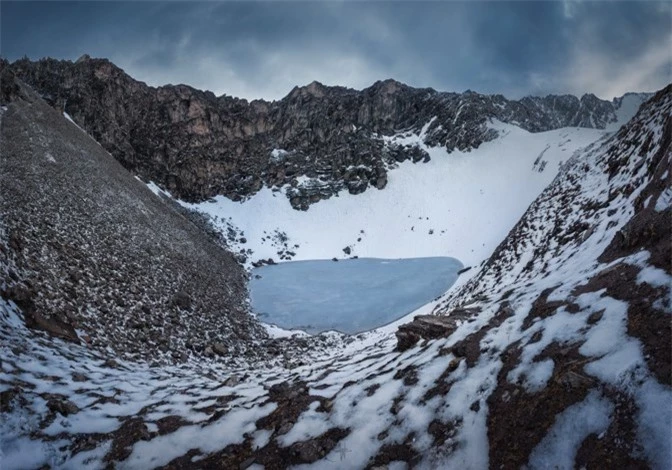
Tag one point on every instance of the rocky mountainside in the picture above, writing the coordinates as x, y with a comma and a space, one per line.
576, 303
555, 354
91, 255
197, 145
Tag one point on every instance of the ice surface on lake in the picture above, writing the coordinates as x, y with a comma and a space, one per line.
349, 296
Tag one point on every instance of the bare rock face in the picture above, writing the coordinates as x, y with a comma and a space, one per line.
197, 145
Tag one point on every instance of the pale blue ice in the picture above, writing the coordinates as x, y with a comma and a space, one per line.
350, 296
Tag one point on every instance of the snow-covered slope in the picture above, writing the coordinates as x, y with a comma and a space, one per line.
457, 204
556, 354
626, 107
576, 303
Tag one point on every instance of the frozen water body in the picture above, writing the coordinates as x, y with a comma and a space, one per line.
349, 296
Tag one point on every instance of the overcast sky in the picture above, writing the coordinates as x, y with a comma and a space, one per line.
263, 49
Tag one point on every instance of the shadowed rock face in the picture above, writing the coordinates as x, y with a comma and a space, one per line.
197, 145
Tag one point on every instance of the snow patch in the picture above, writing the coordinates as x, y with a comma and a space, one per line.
278, 155
664, 201
67, 116
558, 449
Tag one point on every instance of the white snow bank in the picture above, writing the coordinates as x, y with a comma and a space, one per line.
67, 116
459, 204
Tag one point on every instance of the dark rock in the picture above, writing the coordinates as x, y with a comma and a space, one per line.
430, 327
62, 406
182, 300
595, 317
309, 451
78, 377
247, 463
7, 398
381, 182
536, 337
285, 428
232, 381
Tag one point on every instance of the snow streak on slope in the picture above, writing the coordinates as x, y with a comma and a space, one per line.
457, 204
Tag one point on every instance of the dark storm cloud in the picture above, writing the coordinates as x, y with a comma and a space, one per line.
263, 49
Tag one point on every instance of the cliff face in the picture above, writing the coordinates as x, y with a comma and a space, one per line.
197, 145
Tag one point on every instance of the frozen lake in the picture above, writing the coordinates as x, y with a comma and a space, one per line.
349, 296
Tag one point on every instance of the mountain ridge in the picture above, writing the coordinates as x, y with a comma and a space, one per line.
197, 145
375, 84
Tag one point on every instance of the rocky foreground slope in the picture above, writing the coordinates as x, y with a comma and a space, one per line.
556, 354
197, 145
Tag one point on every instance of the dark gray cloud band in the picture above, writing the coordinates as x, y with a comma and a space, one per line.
263, 49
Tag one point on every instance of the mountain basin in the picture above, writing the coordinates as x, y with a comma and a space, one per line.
350, 296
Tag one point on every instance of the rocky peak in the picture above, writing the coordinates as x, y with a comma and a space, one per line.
590, 98
83, 58
388, 87
314, 88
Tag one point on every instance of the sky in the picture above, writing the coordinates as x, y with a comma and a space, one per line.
255, 49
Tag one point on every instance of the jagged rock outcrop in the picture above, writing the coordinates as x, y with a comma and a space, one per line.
431, 327
197, 145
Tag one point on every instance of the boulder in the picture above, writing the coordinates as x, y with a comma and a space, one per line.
431, 327
62, 406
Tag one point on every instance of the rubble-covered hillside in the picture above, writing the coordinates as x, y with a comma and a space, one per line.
196, 145
556, 354
91, 255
